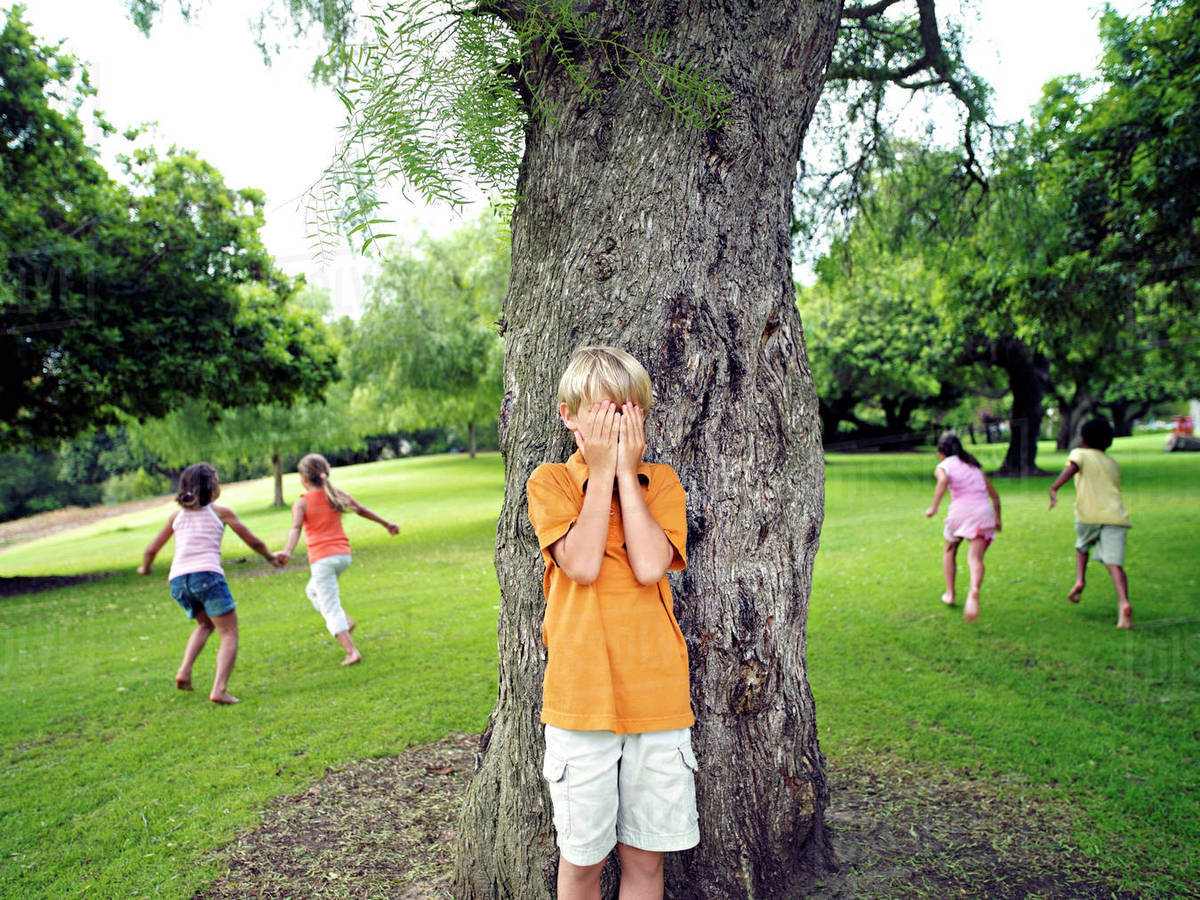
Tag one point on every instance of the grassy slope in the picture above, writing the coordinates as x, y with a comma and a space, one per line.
115, 785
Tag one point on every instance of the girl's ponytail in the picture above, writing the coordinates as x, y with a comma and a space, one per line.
949, 445
197, 486
314, 469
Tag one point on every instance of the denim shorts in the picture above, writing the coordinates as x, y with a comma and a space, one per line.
204, 592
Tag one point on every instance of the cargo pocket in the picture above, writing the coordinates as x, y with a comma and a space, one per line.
688, 759
554, 770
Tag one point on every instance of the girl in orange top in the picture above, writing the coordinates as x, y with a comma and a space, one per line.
318, 512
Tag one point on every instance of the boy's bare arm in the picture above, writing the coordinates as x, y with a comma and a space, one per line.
160, 541
650, 552
581, 550
1066, 473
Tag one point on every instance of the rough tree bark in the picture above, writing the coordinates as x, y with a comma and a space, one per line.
633, 228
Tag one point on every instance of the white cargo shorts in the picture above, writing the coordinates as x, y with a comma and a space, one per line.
639, 789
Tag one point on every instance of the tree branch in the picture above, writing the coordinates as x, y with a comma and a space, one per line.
862, 13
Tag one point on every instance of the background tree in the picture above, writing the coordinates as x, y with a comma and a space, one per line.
1078, 283
427, 348
292, 425
124, 297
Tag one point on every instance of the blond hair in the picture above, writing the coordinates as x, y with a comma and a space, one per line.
597, 372
314, 469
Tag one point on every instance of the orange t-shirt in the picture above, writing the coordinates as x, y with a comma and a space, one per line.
323, 532
617, 660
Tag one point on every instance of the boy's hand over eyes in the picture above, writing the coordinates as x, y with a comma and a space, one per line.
631, 440
597, 436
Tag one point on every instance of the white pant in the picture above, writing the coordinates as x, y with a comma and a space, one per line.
322, 590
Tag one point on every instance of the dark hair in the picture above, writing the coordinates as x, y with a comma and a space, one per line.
197, 486
949, 445
1097, 433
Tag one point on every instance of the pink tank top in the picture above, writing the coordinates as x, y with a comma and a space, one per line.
198, 534
966, 481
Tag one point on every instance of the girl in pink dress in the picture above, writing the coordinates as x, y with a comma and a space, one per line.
973, 516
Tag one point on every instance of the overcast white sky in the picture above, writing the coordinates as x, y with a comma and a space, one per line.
205, 85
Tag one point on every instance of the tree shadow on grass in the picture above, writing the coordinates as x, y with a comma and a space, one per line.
386, 828
13, 586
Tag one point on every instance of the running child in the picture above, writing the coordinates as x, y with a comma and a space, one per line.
196, 578
318, 512
1100, 517
615, 699
973, 516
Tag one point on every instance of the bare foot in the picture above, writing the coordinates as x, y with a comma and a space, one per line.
1125, 616
224, 698
1076, 592
183, 684
948, 598
352, 658
971, 610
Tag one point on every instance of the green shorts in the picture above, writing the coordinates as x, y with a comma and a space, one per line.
1109, 541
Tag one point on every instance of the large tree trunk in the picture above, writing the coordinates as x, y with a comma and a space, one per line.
1124, 413
471, 439
1071, 415
634, 229
1028, 378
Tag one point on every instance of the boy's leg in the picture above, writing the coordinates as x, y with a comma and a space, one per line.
1087, 535
1081, 561
226, 656
1110, 550
1121, 583
641, 873
975, 563
581, 771
949, 565
578, 882
197, 640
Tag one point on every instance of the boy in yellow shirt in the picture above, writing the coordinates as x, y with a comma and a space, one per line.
615, 698
1100, 517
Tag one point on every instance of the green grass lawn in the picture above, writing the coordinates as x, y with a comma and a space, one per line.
117, 785
1104, 720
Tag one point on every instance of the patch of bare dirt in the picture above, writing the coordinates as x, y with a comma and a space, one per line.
386, 828
69, 517
380, 828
